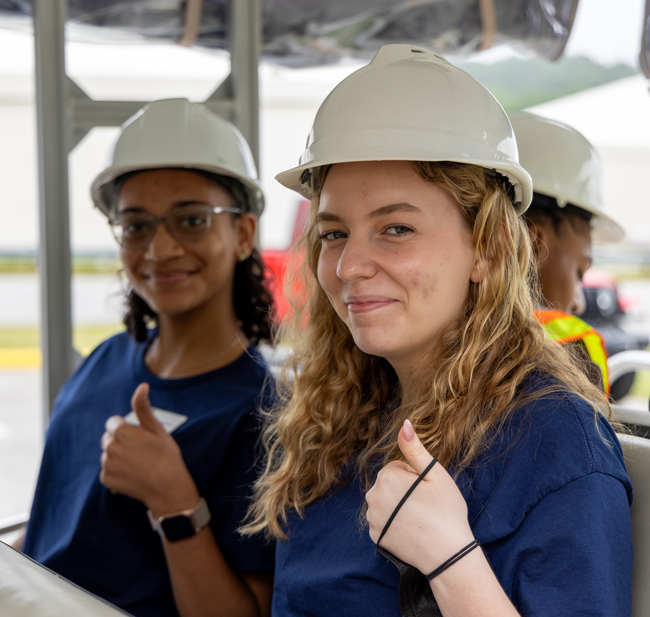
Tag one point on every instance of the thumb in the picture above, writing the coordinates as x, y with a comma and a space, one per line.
142, 407
413, 450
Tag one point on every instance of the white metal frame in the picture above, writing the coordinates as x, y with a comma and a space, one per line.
628, 362
65, 114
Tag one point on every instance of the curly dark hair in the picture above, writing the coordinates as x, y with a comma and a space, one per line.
252, 299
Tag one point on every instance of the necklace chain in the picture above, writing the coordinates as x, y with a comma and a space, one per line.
220, 354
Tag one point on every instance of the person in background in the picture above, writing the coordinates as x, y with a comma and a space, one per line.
142, 508
563, 218
413, 337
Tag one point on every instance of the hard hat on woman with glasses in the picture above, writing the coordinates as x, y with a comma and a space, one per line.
414, 337
142, 508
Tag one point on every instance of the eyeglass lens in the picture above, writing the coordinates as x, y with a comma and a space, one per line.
135, 230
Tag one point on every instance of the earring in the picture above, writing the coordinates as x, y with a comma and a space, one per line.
243, 257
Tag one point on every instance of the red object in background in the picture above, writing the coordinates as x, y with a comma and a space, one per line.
276, 261
594, 278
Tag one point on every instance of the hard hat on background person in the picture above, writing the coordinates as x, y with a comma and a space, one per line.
175, 133
564, 166
410, 104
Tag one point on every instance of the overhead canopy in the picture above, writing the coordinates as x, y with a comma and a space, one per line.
309, 32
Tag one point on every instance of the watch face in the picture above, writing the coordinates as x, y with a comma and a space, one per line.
177, 527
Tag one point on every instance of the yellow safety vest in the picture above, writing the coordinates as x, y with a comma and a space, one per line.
564, 328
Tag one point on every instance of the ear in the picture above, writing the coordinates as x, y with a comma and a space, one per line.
246, 228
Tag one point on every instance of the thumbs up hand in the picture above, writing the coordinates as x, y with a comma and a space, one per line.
145, 462
142, 407
432, 524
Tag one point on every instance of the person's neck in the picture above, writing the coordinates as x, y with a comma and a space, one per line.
192, 344
409, 369
404, 373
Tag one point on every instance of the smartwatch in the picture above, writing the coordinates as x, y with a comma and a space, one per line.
181, 525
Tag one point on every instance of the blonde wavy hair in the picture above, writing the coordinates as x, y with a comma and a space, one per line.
340, 410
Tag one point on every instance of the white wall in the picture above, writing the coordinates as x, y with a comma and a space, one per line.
289, 100
18, 177
614, 117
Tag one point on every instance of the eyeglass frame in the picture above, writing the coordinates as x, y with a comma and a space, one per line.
156, 220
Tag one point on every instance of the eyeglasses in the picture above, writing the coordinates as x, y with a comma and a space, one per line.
189, 224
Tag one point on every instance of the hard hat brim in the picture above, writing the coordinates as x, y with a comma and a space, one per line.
518, 176
604, 229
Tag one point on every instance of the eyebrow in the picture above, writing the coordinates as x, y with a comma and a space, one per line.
401, 207
322, 217
178, 204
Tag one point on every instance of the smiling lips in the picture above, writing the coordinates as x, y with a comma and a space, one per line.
170, 277
365, 304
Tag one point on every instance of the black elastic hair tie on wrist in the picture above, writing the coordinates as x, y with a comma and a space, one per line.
403, 500
454, 558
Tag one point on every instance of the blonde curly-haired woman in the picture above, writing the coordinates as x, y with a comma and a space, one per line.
414, 337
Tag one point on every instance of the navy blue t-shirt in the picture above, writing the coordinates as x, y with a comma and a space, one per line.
549, 500
104, 542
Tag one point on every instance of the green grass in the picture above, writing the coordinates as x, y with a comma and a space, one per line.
81, 264
84, 338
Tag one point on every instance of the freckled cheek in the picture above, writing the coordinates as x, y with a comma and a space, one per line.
418, 282
417, 277
426, 286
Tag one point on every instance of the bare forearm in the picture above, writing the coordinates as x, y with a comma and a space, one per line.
204, 585
469, 588
202, 582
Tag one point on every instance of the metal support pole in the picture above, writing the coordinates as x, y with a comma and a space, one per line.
53, 143
89, 113
241, 87
64, 115
245, 34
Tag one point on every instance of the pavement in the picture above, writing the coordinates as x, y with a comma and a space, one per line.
96, 300
21, 439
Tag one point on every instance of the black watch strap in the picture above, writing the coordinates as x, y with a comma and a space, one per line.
181, 525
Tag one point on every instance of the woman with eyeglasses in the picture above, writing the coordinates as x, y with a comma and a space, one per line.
413, 337
142, 507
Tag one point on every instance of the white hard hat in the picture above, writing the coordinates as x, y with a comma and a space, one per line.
175, 133
409, 104
565, 166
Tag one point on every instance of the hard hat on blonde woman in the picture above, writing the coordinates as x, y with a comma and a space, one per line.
175, 133
565, 167
410, 104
